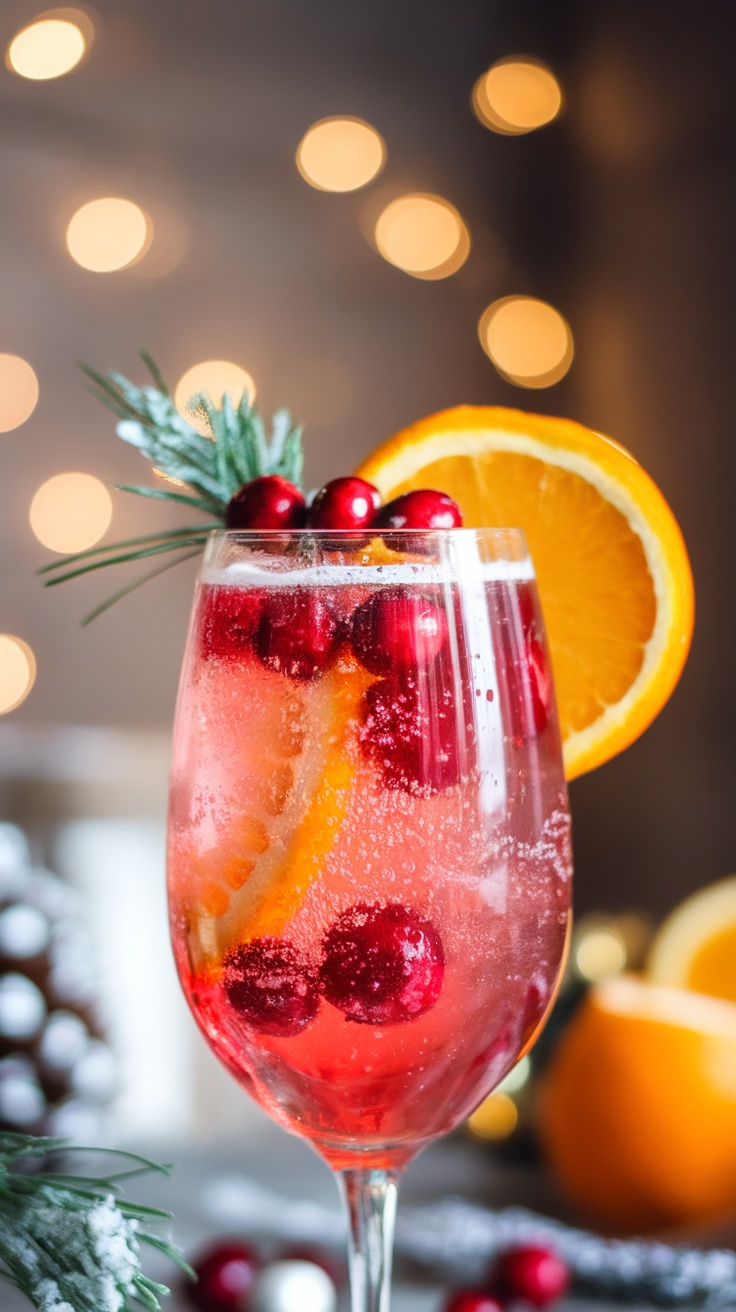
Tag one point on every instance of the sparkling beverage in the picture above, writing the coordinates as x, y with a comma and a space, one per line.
369, 857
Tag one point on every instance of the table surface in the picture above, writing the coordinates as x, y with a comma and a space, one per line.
287, 1166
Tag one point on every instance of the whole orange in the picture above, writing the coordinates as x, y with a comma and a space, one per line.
638, 1112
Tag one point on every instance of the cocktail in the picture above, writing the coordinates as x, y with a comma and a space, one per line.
369, 858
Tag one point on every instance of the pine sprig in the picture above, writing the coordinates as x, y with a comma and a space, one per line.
210, 467
71, 1243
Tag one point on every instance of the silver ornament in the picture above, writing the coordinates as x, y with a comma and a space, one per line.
292, 1286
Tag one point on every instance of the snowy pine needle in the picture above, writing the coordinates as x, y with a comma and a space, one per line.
206, 469
71, 1243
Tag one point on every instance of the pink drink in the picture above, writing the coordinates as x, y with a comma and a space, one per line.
369, 859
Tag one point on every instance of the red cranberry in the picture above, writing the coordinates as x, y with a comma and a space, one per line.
410, 731
531, 1272
423, 508
529, 677
297, 633
271, 986
225, 1274
382, 964
397, 630
344, 503
228, 620
267, 502
472, 1300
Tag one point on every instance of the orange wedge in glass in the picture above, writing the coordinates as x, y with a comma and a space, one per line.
300, 839
612, 569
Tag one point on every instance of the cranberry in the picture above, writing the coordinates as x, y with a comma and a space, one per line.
225, 1274
382, 964
297, 633
344, 503
531, 1272
229, 618
410, 731
267, 502
423, 508
271, 986
472, 1300
529, 677
397, 630
540, 681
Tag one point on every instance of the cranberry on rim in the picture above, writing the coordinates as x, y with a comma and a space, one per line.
382, 965
269, 502
396, 630
271, 986
345, 503
423, 508
297, 633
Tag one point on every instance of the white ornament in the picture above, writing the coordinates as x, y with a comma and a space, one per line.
292, 1286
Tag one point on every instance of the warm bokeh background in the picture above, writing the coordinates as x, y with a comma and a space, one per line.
620, 213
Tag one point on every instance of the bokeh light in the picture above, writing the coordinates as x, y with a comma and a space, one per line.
108, 234
529, 341
17, 671
340, 154
599, 953
496, 1118
71, 512
216, 377
516, 96
171, 245
423, 235
18, 392
50, 47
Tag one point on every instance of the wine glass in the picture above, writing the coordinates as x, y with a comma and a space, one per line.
369, 856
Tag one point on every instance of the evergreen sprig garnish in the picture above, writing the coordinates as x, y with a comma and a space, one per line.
70, 1242
208, 468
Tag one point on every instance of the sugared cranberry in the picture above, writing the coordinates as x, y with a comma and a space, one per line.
382, 964
225, 1275
535, 1273
472, 1300
228, 620
397, 630
297, 633
271, 986
267, 502
344, 503
410, 731
423, 508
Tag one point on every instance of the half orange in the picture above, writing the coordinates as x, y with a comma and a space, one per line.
612, 568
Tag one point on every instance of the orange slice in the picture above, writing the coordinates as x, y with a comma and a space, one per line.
303, 836
696, 946
612, 569
638, 1108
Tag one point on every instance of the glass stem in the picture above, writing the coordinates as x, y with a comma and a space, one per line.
370, 1198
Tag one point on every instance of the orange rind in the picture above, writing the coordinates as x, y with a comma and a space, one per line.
612, 569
